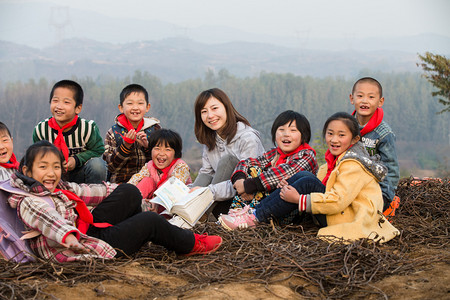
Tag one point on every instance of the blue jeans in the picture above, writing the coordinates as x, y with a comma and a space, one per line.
93, 171
273, 206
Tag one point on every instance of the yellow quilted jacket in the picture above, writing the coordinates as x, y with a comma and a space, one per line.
352, 203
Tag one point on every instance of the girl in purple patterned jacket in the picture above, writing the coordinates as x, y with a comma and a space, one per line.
255, 178
63, 229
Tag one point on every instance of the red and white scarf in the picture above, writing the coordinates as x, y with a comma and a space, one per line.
60, 143
128, 126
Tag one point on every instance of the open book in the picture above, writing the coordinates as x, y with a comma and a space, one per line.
174, 196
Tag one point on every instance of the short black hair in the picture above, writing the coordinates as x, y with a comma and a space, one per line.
368, 80
71, 85
166, 137
348, 120
301, 123
133, 88
39, 148
3, 127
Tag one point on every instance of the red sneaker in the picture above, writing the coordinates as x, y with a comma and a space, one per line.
205, 244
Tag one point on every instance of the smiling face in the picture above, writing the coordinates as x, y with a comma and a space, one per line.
46, 169
63, 106
288, 137
134, 107
162, 155
214, 114
366, 99
6, 147
339, 137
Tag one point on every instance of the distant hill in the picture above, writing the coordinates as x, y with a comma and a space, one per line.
178, 59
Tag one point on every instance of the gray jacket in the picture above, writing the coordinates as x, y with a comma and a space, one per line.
246, 143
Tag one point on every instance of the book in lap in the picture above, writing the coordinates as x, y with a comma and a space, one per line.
174, 196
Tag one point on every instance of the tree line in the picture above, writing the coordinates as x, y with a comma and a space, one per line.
422, 134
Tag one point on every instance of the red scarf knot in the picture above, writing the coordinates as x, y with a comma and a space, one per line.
11, 164
283, 156
59, 142
374, 121
165, 172
122, 119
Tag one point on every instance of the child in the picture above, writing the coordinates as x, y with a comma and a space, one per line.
291, 133
116, 223
376, 135
165, 146
345, 197
227, 138
8, 161
78, 139
126, 142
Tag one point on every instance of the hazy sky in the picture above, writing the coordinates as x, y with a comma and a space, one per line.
313, 18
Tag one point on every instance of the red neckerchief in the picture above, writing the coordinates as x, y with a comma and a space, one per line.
126, 123
284, 156
85, 216
11, 164
165, 172
59, 142
374, 121
331, 164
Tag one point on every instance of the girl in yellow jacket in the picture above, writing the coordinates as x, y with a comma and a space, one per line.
345, 198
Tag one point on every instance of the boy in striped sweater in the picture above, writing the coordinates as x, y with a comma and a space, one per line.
78, 139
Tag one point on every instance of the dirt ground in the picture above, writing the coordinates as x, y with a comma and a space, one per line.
141, 282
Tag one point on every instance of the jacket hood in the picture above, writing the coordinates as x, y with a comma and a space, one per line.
243, 129
372, 164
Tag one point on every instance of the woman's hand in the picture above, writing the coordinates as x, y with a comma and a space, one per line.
289, 194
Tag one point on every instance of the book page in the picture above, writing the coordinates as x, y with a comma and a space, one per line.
171, 192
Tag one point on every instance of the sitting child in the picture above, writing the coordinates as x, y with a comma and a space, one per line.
68, 231
166, 147
255, 178
78, 139
345, 198
8, 161
126, 142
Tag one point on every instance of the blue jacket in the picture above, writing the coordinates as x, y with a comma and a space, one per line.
381, 141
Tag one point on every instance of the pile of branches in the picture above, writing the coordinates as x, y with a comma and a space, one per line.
259, 255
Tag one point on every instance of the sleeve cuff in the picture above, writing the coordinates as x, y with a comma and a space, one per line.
236, 176
75, 232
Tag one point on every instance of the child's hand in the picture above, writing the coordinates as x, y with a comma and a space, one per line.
239, 186
289, 194
141, 138
131, 135
71, 163
247, 197
282, 183
73, 244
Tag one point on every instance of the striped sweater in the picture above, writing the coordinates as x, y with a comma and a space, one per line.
83, 140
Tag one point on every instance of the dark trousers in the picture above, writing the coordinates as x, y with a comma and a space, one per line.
132, 228
273, 206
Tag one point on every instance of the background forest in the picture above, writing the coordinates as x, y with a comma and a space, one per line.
423, 136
